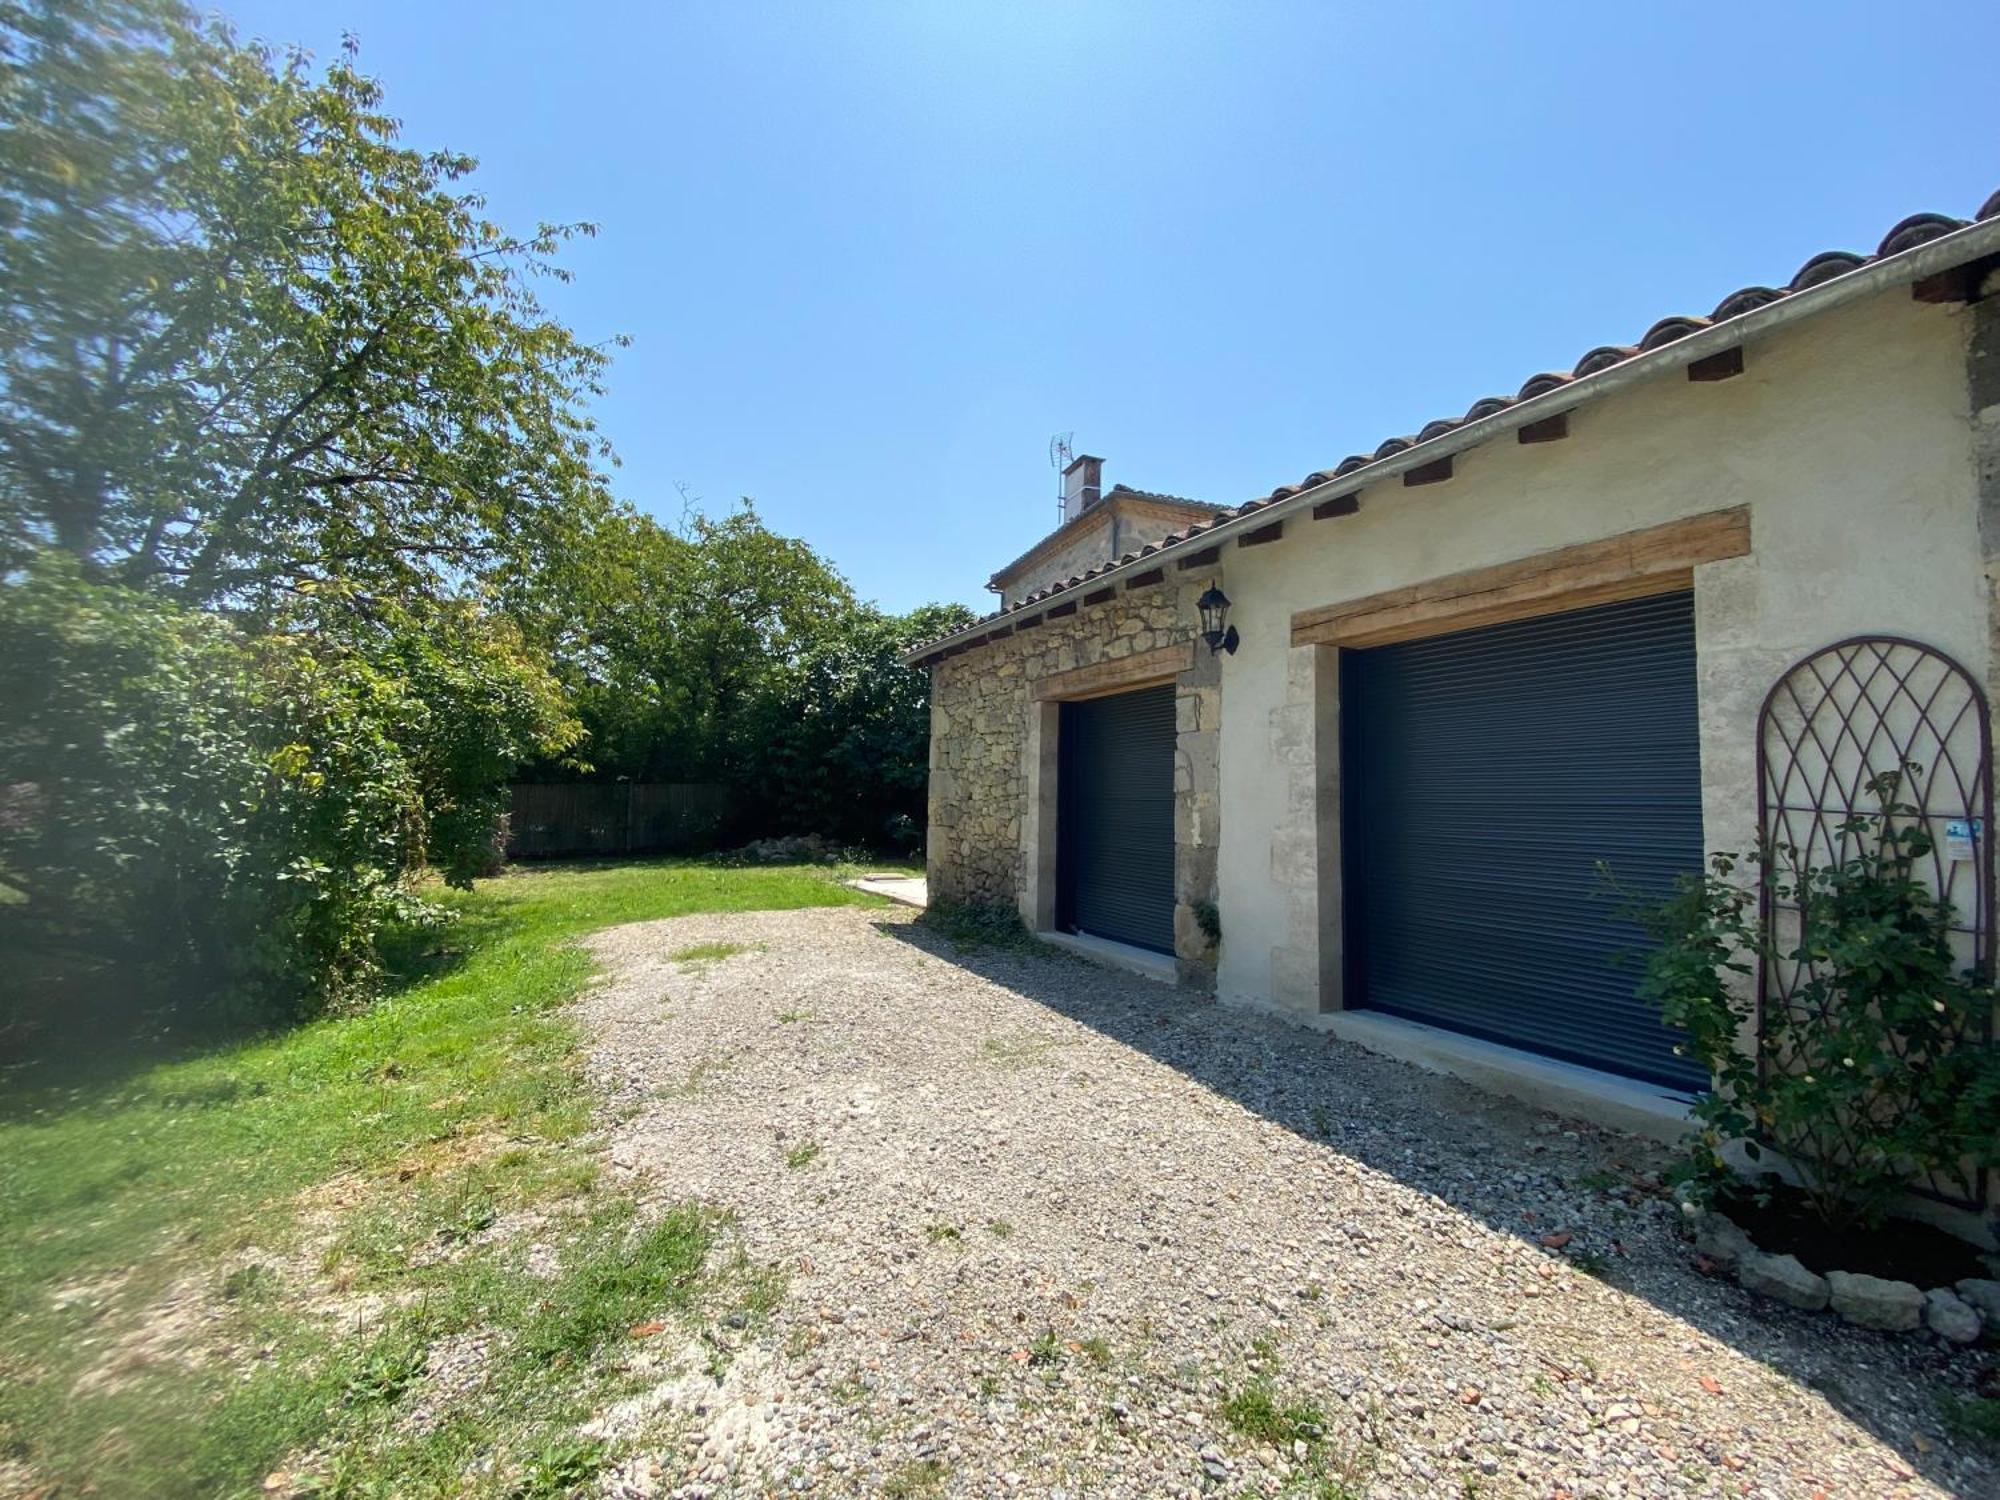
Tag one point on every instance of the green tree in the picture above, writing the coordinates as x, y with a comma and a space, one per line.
280, 418
248, 341
723, 651
847, 744
674, 640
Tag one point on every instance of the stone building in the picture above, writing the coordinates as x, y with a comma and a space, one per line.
1565, 627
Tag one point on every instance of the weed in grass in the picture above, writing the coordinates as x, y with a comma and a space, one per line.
1046, 1351
1017, 1050
471, 1218
393, 1364
560, 1467
788, 1017
989, 1386
1600, 1182
1322, 1122
1973, 1417
1000, 1229
1256, 1413
942, 1233
1591, 1263
712, 953
698, 1079
248, 1281
804, 1154
759, 1290
920, 1476
974, 925
849, 1390
617, 1282
1096, 1350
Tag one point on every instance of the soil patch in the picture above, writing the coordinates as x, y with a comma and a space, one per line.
1781, 1220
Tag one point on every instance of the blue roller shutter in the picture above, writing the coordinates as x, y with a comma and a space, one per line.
1485, 774
1115, 818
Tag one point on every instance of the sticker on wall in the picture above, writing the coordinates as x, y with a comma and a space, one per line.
1961, 837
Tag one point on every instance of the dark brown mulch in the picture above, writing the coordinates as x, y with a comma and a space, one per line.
1781, 1220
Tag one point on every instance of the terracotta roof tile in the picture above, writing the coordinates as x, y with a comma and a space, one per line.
1908, 234
1603, 357
1824, 267
1743, 300
1670, 330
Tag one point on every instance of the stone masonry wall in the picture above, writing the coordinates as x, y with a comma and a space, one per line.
1090, 549
984, 718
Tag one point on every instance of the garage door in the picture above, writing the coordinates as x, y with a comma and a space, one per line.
1486, 775
1115, 818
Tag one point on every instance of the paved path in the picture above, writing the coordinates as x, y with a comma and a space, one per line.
1052, 1230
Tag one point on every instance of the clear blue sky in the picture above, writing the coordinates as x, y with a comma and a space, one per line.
872, 255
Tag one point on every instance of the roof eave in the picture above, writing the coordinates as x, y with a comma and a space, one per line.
1973, 242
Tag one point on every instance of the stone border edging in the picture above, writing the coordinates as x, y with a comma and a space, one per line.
1960, 1314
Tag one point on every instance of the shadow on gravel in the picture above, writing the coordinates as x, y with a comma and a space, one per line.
1498, 1161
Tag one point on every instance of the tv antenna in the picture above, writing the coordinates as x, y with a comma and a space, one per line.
1059, 460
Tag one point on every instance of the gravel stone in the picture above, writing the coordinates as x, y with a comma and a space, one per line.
1984, 1295
1949, 1318
1873, 1302
1782, 1277
1718, 1237
1033, 1173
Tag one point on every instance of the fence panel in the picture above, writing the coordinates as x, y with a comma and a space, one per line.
621, 818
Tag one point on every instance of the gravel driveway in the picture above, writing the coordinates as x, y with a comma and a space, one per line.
1050, 1230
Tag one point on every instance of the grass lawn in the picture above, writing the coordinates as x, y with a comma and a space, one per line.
215, 1266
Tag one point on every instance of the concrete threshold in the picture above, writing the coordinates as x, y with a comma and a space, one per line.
907, 890
1583, 1093
1141, 961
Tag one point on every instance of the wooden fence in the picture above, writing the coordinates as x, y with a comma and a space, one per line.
618, 818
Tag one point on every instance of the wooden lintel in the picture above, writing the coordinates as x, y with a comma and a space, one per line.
1000, 633
1339, 505
1261, 535
1142, 669
1548, 430
1200, 559
1435, 472
1028, 624
1956, 283
1633, 565
1061, 611
1146, 579
1721, 365
1102, 596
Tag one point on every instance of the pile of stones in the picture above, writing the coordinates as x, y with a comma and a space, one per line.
1964, 1313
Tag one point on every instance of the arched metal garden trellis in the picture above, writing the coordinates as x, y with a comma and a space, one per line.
1854, 710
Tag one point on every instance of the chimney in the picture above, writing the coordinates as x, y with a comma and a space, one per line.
1083, 485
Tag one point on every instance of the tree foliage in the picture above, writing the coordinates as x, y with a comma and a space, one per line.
231, 814
250, 342
306, 544
278, 411
722, 651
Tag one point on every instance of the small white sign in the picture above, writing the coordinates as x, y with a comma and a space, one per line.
1961, 838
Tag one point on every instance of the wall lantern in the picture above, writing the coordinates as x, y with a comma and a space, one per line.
1215, 626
